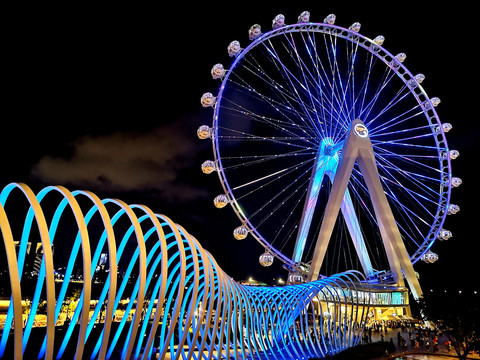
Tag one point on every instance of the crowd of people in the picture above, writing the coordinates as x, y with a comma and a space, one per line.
408, 336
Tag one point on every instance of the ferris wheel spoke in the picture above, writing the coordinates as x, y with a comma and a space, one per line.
310, 85
277, 178
282, 192
319, 79
367, 87
396, 119
361, 192
274, 123
286, 112
256, 70
413, 179
412, 217
287, 228
339, 97
346, 81
289, 113
280, 231
377, 95
419, 199
425, 131
292, 81
335, 86
253, 162
281, 202
407, 145
387, 182
418, 205
314, 78
427, 170
414, 200
327, 105
347, 104
289, 97
328, 96
268, 156
285, 105
284, 141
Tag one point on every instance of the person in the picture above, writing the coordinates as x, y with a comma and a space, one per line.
448, 345
102, 311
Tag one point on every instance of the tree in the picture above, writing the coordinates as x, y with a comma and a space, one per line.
457, 314
464, 337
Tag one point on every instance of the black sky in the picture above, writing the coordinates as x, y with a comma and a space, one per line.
108, 99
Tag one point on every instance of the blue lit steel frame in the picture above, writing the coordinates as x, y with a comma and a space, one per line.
181, 304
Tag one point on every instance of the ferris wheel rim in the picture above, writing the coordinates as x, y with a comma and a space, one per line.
414, 88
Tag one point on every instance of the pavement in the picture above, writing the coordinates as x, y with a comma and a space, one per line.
410, 351
424, 357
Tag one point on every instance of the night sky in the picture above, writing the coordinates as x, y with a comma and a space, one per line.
108, 99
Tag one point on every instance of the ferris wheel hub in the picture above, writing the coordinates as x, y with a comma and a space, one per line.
360, 130
329, 150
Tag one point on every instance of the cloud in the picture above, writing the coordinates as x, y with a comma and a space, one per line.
127, 161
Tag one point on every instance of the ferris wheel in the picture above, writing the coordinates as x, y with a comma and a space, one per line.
283, 110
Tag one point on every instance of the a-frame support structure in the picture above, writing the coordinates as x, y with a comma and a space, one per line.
358, 147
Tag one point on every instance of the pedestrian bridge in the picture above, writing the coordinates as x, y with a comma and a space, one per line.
100, 279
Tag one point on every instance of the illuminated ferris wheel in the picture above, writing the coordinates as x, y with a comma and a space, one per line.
281, 117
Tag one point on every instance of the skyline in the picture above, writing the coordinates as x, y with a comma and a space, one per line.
103, 78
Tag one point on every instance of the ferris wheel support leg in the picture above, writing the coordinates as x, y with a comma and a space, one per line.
357, 147
388, 227
326, 161
354, 229
335, 199
309, 207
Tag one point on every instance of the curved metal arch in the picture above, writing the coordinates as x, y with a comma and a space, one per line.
163, 271
47, 266
16, 298
112, 258
69, 199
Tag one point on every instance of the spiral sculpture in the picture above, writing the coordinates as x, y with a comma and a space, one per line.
100, 279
